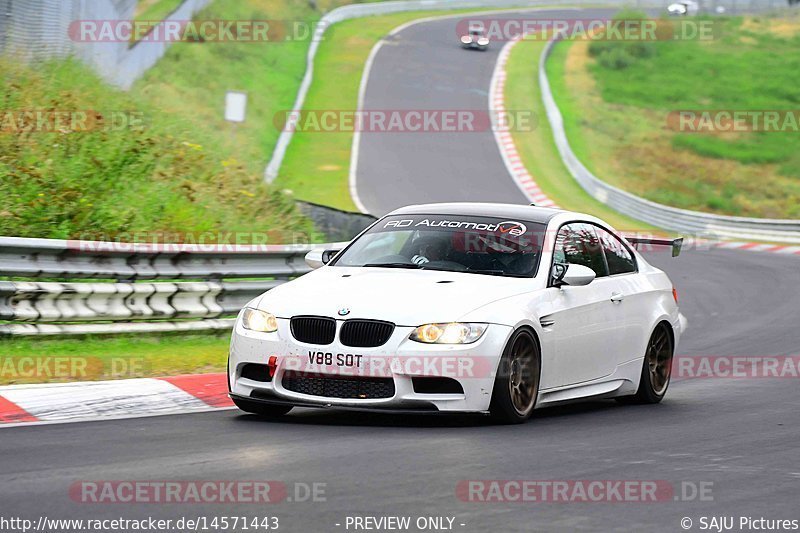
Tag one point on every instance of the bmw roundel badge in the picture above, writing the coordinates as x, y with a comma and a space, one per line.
344, 311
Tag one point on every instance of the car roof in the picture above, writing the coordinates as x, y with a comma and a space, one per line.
524, 212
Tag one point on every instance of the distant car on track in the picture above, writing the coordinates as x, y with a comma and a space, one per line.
475, 38
463, 307
683, 8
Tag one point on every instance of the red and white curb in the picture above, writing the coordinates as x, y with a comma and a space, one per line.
758, 247
504, 139
105, 400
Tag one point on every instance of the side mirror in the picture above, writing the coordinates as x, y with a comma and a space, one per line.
575, 275
319, 258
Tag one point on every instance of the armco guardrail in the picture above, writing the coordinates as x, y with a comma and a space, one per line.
50, 258
691, 222
134, 300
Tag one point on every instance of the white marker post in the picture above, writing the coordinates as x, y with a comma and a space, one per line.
235, 108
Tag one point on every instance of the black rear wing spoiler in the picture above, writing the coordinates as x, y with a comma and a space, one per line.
676, 244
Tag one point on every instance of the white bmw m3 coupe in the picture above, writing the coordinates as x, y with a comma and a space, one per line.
462, 307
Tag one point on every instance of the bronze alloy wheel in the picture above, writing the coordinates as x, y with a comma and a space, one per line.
659, 359
523, 375
516, 386
656, 368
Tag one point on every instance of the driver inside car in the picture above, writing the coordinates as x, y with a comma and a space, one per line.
508, 255
429, 249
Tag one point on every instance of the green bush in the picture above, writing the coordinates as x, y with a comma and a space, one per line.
619, 55
616, 58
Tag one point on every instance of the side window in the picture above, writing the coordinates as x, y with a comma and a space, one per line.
619, 259
577, 244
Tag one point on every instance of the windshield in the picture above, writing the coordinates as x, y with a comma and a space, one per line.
480, 245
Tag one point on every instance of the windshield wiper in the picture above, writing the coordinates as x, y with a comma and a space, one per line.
496, 272
392, 265
486, 271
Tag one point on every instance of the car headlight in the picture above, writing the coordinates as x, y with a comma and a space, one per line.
483, 41
448, 333
257, 320
466, 39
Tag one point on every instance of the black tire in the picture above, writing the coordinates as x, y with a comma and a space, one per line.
516, 385
656, 368
262, 409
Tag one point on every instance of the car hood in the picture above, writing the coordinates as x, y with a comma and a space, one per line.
405, 297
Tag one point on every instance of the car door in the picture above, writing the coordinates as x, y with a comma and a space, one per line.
585, 324
632, 301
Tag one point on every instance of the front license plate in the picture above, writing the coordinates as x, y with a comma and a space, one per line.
335, 359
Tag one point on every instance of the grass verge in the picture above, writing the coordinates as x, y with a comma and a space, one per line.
619, 112
192, 78
147, 14
99, 358
537, 148
123, 166
149, 10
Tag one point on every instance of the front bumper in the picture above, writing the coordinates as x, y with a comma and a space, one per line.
270, 399
400, 360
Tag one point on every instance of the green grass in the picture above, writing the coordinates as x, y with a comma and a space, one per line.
616, 116
537, 148
725, 72
162, 175
572, 121
149, 12
118, 357
697, 75
155, 9
192, 79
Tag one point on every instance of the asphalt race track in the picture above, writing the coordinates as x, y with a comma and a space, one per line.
739, 434
423, 67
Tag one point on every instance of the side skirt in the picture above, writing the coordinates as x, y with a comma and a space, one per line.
622, 382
